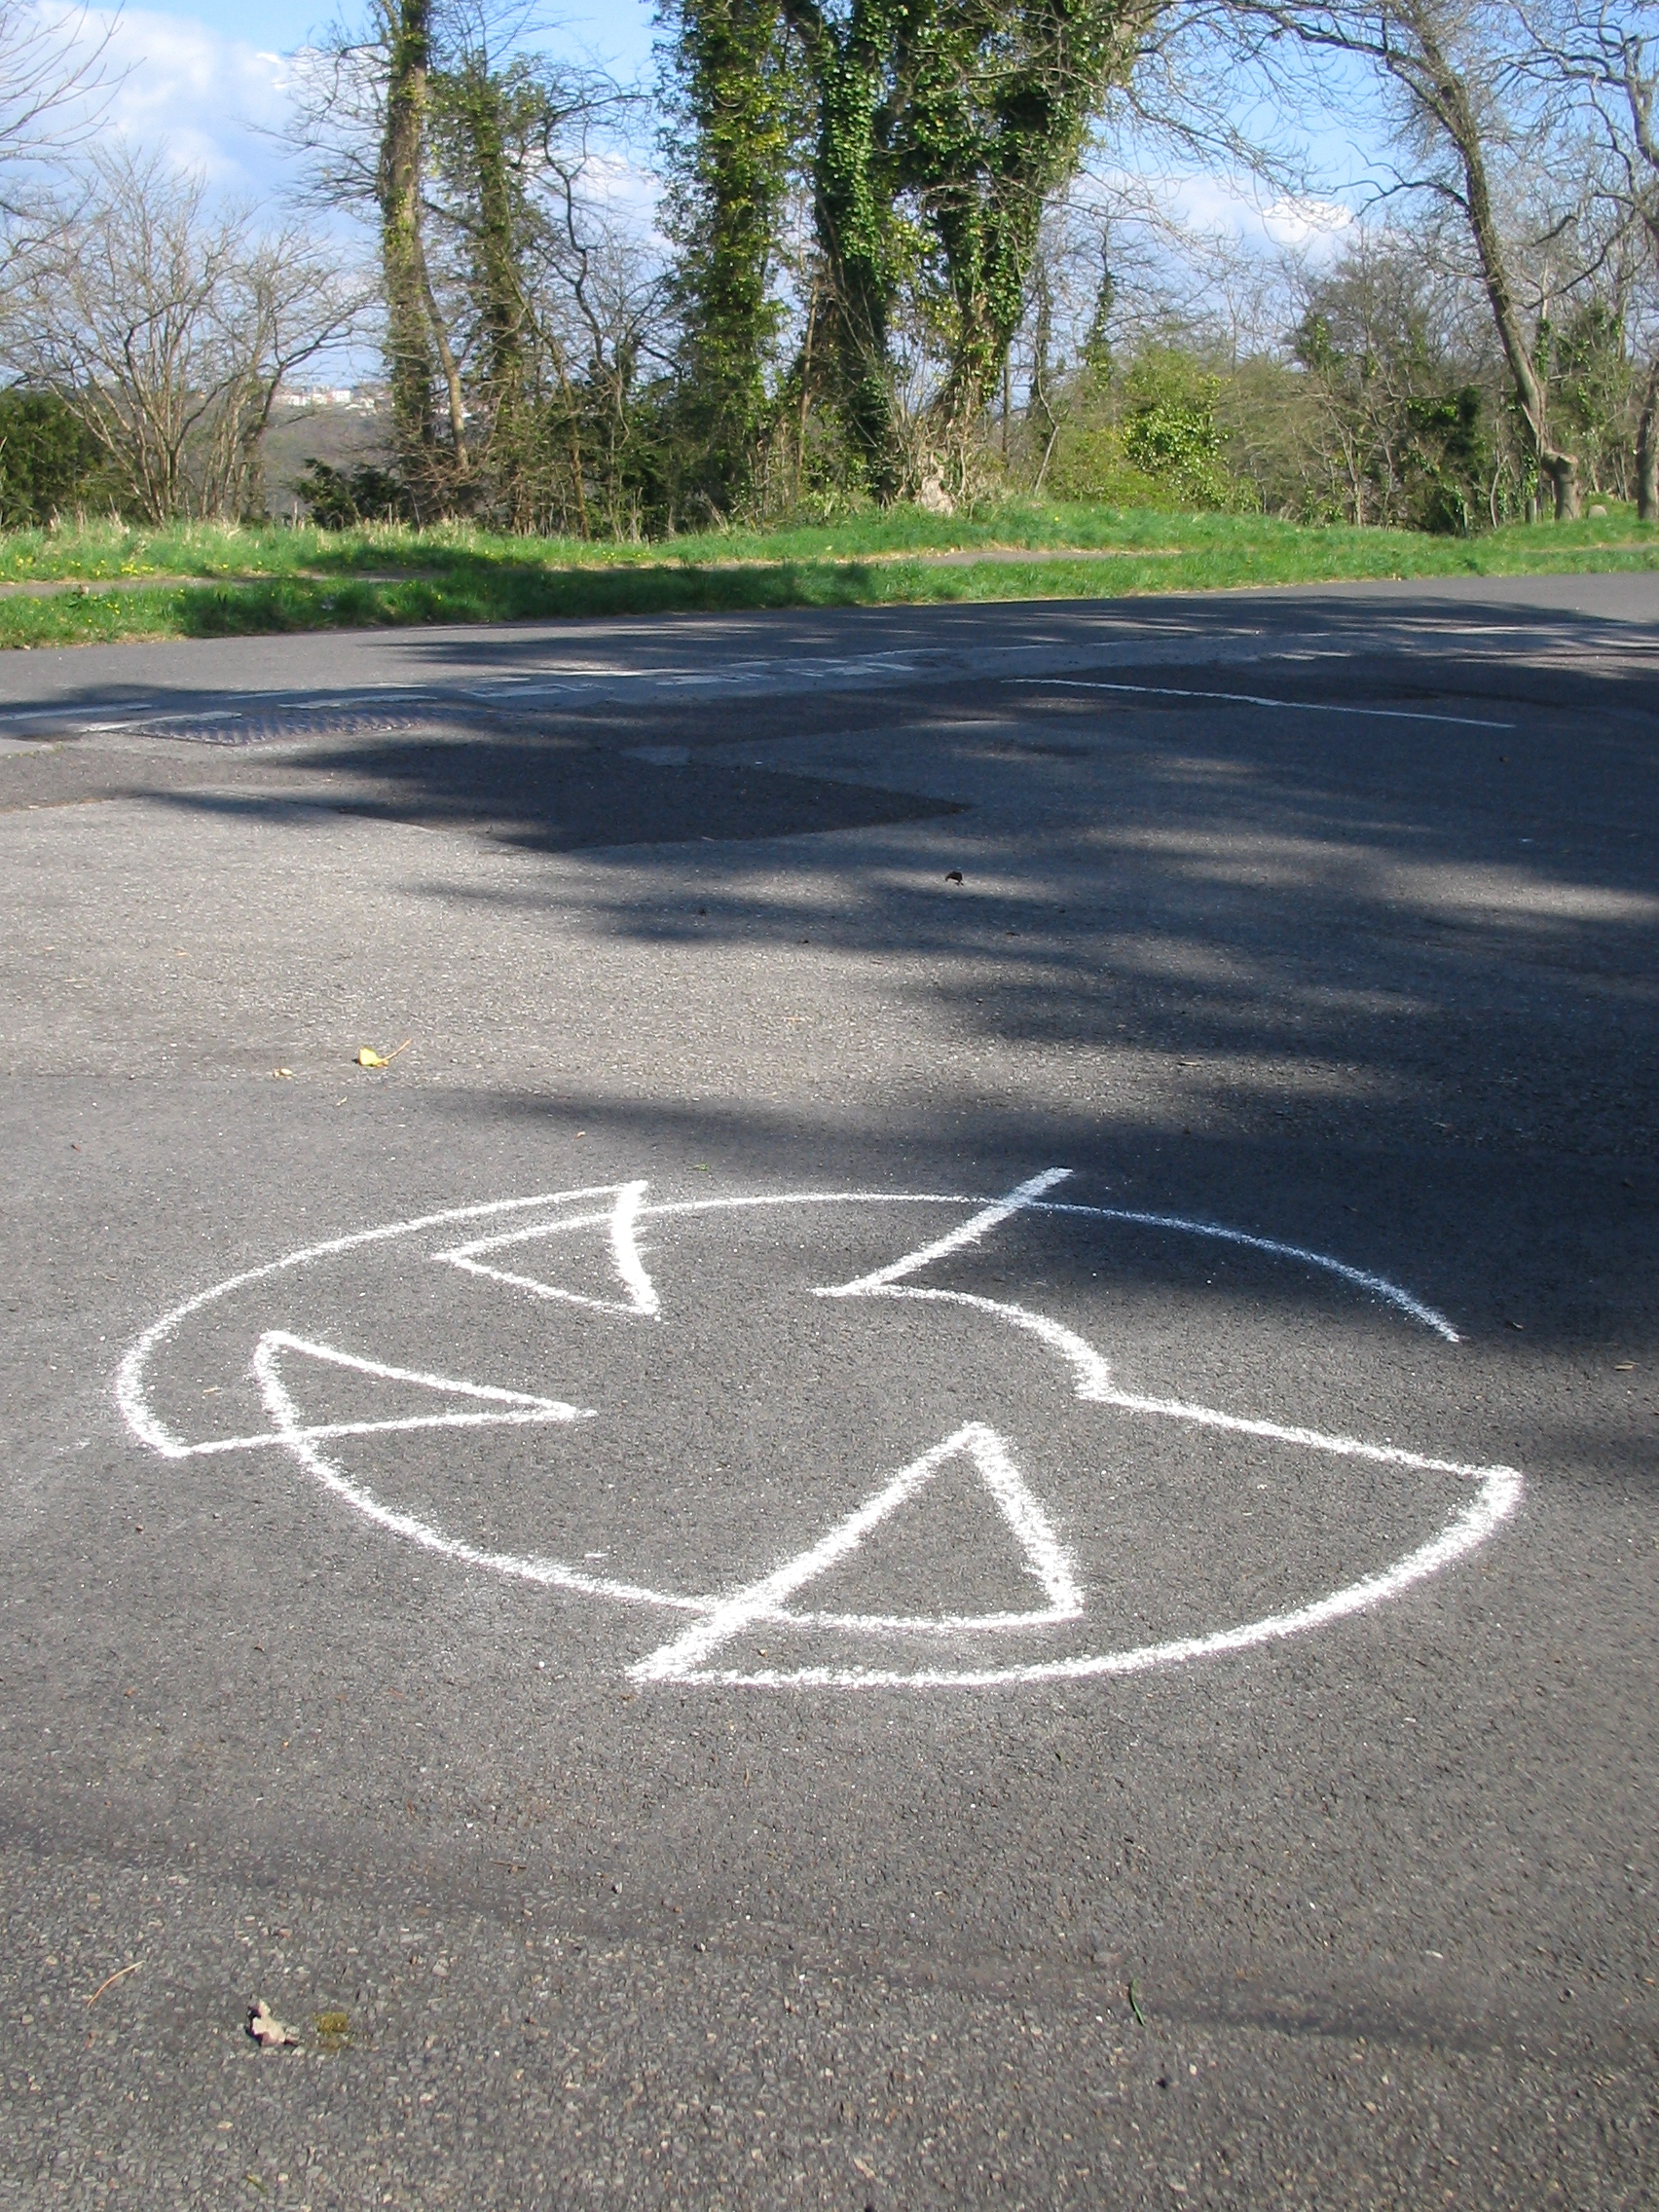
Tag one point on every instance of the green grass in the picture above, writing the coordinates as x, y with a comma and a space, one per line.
280, 579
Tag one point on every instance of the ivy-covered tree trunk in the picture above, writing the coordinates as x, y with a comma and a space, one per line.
994, 125
409, 346
969, 113
854, 183
731, 160
941, 122
480, 103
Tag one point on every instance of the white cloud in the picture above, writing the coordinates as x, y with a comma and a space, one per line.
1313, 224
1197, 209
200, 99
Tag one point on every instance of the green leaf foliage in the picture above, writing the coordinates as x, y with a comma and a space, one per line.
49, 463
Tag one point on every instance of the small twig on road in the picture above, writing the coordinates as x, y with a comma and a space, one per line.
120, 1974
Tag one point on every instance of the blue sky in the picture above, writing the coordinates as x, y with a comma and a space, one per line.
618, 31
205, 84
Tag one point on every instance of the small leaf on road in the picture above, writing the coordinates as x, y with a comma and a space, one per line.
368, 1057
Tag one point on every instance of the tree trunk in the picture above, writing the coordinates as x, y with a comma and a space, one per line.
1442, 93
1561, 469
734, 172
408, 327
1647, 451
451, 369
852, 193
499, 240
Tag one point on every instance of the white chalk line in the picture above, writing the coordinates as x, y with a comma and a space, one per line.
552, 1575
130, 1393
642, 1298
518, 1407
1502, 1486
969, 1233
1499, 1497
1093, 1373
322, 1432
1378, 1285
1361, 1279
1255, 699
682, 1660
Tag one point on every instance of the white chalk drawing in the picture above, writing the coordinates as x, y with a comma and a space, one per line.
764, 1601
777, 1603
641, 1297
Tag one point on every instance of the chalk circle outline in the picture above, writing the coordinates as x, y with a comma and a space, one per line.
718, 1618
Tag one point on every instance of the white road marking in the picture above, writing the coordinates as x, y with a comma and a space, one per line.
1093, 1376
1252, 699
131, 1396
1501, 1493
1378, 1285
292, 1430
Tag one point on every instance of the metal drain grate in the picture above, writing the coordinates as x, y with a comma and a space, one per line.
231, 729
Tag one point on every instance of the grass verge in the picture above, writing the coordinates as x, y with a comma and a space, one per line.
215, 581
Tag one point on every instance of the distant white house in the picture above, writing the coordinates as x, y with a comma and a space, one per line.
353, 399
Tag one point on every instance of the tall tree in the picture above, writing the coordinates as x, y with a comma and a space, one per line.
362, 120
953, 120
1610, 54
1462, 85
415, 336
852, 63
936, 128
483, 118
728, 143
471, 157
998, 111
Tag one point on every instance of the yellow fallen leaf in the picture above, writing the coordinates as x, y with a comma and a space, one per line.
368, 1057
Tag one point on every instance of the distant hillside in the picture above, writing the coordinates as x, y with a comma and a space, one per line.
343, 427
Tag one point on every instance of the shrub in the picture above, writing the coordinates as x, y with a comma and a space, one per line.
338, 498
49, 460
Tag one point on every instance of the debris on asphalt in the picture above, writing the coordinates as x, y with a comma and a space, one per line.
954, 875
120, 1974
333, 2029
368, 1057
1133, 2006
282, 1074
267, 2030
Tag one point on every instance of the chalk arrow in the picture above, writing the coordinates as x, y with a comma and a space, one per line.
482, 1404
619, 1221
683, 1659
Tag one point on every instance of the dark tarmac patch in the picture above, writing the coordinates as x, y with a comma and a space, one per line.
559, 794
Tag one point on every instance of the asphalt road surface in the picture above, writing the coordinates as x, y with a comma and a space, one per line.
948, 1498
